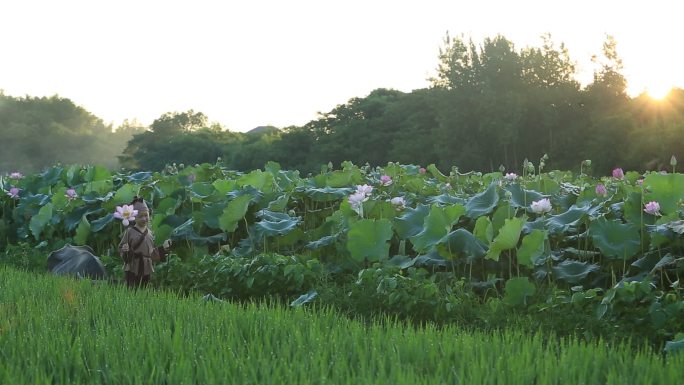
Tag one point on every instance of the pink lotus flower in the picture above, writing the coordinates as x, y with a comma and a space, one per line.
422, 170
601, 190
16, 175
356, 201
364, 189
126, 213
71, 194
541, 206
13, 193
448, 185
398, 202
191, 178
640, 182
618, 173
385, 180
511, 176
652, 208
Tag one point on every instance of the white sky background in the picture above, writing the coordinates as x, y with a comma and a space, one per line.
251, 63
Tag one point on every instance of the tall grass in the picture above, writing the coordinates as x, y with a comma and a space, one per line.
59, 331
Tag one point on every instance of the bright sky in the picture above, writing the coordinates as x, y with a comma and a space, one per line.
260, 62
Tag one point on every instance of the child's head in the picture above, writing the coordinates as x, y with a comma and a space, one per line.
144, 212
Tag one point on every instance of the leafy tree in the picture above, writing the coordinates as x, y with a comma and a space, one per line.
606, 102
293, 149
36, 132
176, 138
172, 123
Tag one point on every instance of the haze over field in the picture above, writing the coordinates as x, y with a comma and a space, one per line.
279, 63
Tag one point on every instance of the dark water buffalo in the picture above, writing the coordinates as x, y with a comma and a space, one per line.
76, 260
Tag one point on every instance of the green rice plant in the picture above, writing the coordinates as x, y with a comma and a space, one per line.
54, 330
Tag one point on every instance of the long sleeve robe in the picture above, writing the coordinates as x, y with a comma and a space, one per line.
146, 248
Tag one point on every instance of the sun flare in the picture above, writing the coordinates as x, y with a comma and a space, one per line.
659, 92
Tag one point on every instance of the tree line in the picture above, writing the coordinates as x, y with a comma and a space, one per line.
489, 107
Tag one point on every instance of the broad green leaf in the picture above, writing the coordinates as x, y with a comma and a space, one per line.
484, 230
435, 227
415, 185
257, 179
82, 232
483, 203
201, 190
59, 200
660, 238
223, 185
280, 203
97, 173
507, 238
72, 219
124, 195
436, 173
185, 232
139, 177
325, 241
272, 167
162, 233
454, 212
304, 298
573, 272
51, 176
666, 189
532, 248
545, 185
99, 224
615, 239
518, 290
411, 221
401, 261
461, 243
254, 194
38, 222
292, 237
274, 223
648, 261
167, 206
674, 346
368, 239
503, 212
94, 197
235, 211
562, 223
342, 178
446, 199
73, 176
101, 187
521, 197
379, 210
166, 187
326, 194
633, 210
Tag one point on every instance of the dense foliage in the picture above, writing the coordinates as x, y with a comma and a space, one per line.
401, 239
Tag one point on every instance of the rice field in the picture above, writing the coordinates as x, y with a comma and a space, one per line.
56, 330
